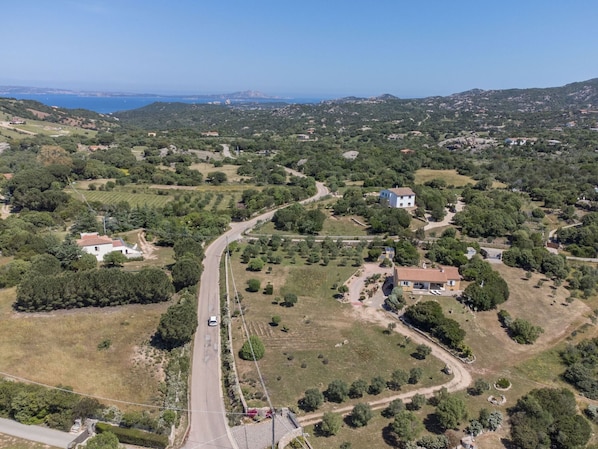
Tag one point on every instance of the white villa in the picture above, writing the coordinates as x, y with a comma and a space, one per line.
100, 245
401, 197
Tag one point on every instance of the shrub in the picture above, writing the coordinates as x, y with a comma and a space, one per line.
254, 343
503, 383
290, 299
255, 265
479, 387
275, 320
253, 285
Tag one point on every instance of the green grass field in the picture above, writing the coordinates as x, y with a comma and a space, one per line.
325, 340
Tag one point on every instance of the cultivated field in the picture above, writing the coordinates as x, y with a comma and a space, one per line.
62, 348
323, 341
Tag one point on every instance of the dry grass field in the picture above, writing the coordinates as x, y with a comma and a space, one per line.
62, 348
10, 442
230, 170
451, 177
324, 340
527, 366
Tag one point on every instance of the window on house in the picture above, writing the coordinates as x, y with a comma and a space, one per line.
405, 283
95, 248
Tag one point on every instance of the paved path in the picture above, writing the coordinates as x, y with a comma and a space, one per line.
208, 427
38, 434
226, 151
448, 218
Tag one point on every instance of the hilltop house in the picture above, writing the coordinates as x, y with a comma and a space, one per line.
441, 278
401, 197
100, 245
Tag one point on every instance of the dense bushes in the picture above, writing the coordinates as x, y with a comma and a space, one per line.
297, 218
134, 436
428, 317
33, 404
98, 288
178, 323
520, 330
548, 418
489, 288
582, 367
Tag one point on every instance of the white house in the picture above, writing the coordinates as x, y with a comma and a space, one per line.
401, 197
100, 245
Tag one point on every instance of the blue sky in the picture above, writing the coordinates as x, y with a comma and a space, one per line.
302, 48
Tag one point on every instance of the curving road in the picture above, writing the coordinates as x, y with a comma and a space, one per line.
208, 427
461, 377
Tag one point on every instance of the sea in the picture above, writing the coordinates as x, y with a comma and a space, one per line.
114, 103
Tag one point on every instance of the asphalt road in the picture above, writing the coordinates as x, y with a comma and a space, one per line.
38, 434
208, 423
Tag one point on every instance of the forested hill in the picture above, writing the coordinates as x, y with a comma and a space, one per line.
277, 117
11, 109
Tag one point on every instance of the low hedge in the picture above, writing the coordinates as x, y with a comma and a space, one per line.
134, 436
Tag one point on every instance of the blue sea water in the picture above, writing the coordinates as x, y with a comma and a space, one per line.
109, 104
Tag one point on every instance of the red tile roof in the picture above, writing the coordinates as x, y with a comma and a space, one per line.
93, 239
402, 191
416, 274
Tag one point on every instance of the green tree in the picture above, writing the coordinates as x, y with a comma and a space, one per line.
361, 415
114, 259
451, 411
422, 351
398, 378
186, 272
312, 400
337, 391
255, 265
104, 440
252, 347
394, 407
377, 385
523, 332
417, 401
217, 178
415, 375
253, 285
331, 423
290, 299
177, 325
85, 262
358, 388
406, 426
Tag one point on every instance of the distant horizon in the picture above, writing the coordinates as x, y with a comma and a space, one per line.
262, 95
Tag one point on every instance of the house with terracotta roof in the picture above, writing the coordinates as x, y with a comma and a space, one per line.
401, 197
441, 278
100, 245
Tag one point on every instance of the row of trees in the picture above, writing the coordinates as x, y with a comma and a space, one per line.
97, 288
339, 391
